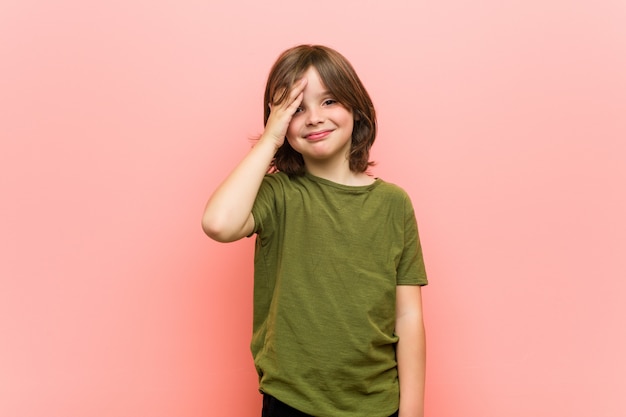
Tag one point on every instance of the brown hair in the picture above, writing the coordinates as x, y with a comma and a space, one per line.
342, 82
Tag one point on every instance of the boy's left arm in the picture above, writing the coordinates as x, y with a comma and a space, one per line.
410, 350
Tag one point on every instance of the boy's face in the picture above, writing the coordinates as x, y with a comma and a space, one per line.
321, 128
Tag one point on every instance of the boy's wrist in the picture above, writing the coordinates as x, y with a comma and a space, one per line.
270, 140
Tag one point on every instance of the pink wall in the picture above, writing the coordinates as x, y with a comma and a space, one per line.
504, 120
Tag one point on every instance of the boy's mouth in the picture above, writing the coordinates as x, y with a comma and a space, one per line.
318, 135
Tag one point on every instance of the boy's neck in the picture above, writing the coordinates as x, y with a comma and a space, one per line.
339, 174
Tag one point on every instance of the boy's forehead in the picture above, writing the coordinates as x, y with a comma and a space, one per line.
314, 81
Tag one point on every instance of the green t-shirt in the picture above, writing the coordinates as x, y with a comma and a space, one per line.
327, 261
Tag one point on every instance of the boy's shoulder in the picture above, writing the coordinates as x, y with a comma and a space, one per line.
392, 188
277, 176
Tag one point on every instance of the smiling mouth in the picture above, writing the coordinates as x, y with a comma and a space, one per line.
318, 135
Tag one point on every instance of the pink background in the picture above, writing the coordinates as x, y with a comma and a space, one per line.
504, 120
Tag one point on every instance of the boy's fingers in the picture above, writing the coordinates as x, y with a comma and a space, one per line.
298, 88
277, 95
296, 102
295, 91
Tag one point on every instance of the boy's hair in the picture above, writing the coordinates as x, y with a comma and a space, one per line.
342, 82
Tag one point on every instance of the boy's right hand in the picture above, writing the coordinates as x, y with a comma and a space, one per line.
281, 114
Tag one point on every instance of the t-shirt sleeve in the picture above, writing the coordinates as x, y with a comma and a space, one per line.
411, 269
264, 209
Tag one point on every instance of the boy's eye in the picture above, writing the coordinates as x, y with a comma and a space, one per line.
298, 110
329, 101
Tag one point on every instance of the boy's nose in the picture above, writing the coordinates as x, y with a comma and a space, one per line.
314, 117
